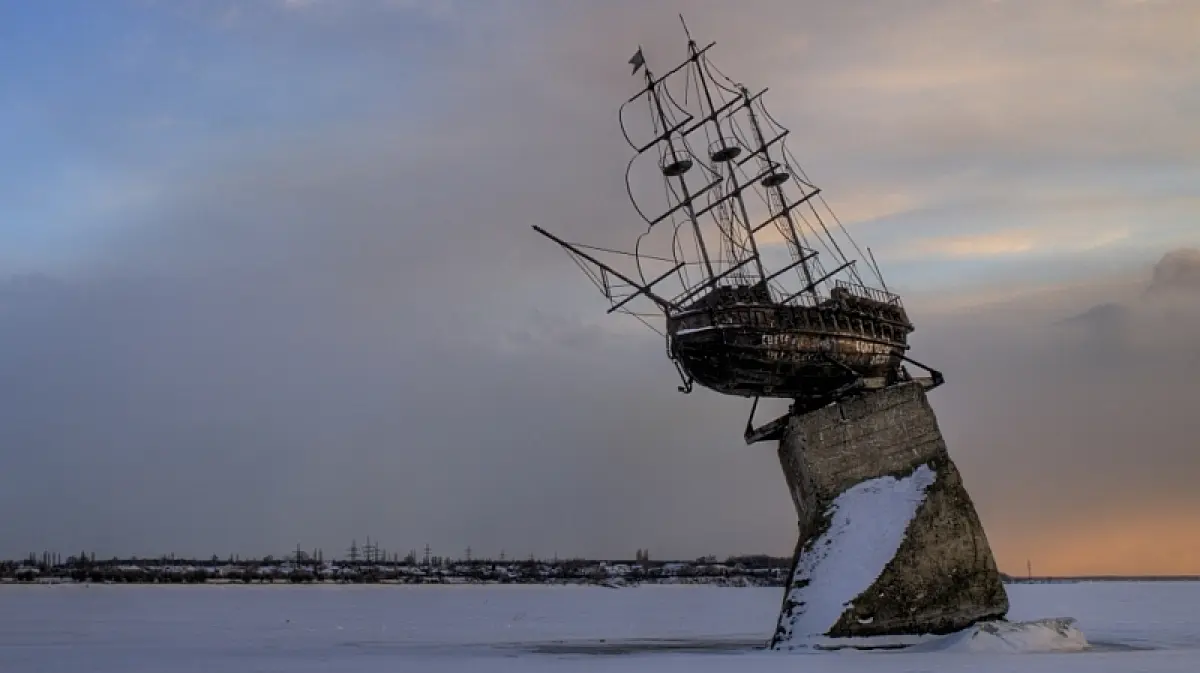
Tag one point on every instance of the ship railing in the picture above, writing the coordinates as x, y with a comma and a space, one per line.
806, 299
872, 293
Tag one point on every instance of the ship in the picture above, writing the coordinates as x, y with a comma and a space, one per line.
761, 292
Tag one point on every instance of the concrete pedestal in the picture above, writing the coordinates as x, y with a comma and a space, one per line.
890, 545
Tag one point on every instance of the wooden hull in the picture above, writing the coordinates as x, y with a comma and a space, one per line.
793, 352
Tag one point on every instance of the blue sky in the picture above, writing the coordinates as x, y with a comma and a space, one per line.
102, 98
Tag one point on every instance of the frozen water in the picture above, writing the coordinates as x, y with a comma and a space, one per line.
1130, 626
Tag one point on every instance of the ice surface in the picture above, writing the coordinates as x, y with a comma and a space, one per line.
867, 524
1145, 627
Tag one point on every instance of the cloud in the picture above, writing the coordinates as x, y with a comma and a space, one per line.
1092, 412
1164, 317
1017, 242
1177, 274
310, 308
265, 416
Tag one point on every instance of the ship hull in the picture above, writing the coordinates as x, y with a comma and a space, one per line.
786, 351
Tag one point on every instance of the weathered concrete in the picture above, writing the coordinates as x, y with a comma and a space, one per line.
943, 577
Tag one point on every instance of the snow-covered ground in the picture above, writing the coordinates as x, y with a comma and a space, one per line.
240, 629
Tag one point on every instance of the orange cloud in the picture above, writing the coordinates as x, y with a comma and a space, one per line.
1023, 240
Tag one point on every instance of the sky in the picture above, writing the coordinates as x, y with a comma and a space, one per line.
267, 275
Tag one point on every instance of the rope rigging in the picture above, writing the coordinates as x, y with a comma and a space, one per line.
714, 107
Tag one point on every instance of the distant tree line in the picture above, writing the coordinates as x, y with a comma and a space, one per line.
303, 567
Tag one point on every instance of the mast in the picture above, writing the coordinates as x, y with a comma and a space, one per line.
725, 154
775, 181
678, 166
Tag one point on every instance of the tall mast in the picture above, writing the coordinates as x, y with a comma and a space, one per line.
667, 171
775, 182
725, 154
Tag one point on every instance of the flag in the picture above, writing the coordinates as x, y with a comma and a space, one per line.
637, 61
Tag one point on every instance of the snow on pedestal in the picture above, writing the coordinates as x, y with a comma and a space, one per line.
891, 550
867, 524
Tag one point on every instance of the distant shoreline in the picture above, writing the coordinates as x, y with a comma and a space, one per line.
674, 582
739, 571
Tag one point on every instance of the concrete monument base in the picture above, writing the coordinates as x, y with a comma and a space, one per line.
890, 546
